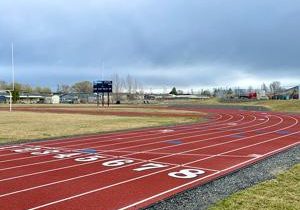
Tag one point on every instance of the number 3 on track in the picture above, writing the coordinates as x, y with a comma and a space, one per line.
186, 173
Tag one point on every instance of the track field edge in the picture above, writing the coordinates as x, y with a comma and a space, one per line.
203, 196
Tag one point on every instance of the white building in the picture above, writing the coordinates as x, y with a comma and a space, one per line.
55, 99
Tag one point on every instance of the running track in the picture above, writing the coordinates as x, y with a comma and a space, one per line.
133, 169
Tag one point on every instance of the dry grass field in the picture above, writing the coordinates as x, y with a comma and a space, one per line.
274, 105
18, 126
282, 193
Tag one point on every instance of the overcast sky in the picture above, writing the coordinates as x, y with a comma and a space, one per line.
163, 43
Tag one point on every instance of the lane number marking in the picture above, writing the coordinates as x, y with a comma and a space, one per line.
186, 173
149, 166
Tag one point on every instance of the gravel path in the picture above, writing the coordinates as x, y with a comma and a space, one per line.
204, 196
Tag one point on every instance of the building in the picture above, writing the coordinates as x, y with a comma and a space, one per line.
54, 99
69, 98
30, 98
2, 99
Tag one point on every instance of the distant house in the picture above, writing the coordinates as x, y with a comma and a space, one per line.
54, 99
69, 98
174, 97
30, 98
2, 99
286, 94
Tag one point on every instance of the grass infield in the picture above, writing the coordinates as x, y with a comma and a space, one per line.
18, 126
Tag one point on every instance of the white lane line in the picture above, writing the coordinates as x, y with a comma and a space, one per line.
12, 150
297, 122
100, 160
177, 135
67, 180
197, 180
8, 147
197, 128
123, 134
223, 143
167, 153
42, 162
61, 151
22, 158
102, 188
137, 178
207, 139
9, 154
76, 164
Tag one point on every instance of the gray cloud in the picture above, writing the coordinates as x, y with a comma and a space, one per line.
184, 43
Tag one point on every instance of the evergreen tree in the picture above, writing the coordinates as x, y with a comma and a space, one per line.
15, 96
173, 91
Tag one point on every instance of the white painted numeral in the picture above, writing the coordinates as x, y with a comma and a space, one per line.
90, 158
149, 166
67, 155
186, 173
46, 152
29, 149
115, 163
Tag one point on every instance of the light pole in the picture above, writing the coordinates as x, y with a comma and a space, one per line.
12, 66
13, 76
10, 100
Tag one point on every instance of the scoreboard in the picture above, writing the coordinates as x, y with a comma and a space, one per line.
102, 87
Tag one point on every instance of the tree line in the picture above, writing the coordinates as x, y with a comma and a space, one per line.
273, 88
26, 88
128, 84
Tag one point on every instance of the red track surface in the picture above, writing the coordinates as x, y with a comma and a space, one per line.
130, 170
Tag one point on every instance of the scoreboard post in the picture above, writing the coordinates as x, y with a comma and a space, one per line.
102, 87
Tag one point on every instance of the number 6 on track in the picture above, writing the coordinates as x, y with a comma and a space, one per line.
186, 173
114, 163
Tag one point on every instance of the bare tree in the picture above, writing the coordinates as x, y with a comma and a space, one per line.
135, 86
264, 87
129, 86
83, 87
250, 89
141, 88
27, 88
3, 85
275, 87
65, 88
118, 85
